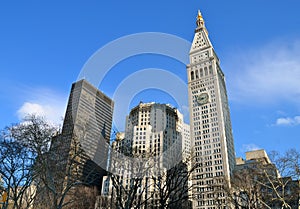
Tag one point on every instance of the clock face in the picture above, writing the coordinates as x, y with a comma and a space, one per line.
202, 98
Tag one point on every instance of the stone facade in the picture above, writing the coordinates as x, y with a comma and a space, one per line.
211, 134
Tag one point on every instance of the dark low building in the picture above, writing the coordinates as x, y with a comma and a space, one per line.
257, 183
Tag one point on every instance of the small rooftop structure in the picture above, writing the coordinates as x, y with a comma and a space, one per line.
254, 156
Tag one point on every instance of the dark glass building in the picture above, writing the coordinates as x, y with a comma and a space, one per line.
87, 126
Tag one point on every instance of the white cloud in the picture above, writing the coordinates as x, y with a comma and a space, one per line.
266, 75
288, 121
32, 108
249, 147
43, 102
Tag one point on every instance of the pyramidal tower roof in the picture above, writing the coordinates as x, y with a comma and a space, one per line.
201, 40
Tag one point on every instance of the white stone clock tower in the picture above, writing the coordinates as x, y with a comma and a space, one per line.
211, 133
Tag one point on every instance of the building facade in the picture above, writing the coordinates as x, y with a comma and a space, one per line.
157, 140
157, 129
87, 124
211, 133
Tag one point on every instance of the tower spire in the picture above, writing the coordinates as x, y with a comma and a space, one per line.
200, 20
199, 14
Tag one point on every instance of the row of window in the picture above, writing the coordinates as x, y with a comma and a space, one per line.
196, 74
212, 202
208, 83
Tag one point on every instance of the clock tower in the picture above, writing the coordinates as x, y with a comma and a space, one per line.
211, 133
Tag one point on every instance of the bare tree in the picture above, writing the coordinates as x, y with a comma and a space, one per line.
39, 167
287, 187
147, 187
126, 195
21, 145
15, 170
35, 133
246, 191
261, 185
27, 143
84, 197
288, 163
128, 179
174, 187
61, 177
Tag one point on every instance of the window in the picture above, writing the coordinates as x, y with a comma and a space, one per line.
192, 75
201, 72
210, 70
205, 71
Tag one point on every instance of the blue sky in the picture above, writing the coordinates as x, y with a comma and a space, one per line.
44, 45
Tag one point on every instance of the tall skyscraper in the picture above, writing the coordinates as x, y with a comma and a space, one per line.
88, 120
78, 156
211, 133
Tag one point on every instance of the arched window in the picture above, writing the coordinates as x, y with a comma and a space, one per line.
205, 71
210, 70
192, 75
197, 74
201, 72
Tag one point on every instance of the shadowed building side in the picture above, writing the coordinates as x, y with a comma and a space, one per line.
87, 126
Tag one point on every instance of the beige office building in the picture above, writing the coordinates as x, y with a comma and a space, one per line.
156, 138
